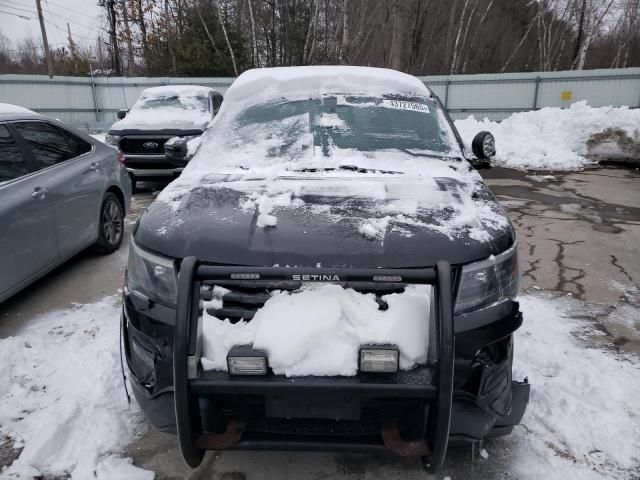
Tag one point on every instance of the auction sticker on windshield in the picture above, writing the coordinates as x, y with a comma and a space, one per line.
402, 105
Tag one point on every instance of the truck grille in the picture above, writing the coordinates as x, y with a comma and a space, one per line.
141, 146
241, 303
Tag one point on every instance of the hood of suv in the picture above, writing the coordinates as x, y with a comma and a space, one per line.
387, 222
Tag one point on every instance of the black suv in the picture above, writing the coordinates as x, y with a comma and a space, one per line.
160, 114
347, 176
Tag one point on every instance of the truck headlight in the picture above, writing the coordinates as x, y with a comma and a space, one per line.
151, 275
488, 281
112, 140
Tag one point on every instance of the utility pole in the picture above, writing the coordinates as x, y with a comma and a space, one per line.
72, 48
45, 43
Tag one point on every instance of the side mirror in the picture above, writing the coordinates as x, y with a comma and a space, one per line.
176, 151
484, 146
122, 113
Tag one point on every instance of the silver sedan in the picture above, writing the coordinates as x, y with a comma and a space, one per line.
61, 191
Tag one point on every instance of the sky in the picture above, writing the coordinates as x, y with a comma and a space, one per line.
83, 17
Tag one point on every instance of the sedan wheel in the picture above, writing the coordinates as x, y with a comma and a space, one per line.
111, 224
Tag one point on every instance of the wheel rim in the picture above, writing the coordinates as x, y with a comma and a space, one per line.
112, 222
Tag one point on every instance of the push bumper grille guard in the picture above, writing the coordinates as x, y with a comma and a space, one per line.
193, 441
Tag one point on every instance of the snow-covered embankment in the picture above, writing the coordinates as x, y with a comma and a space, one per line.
560, 138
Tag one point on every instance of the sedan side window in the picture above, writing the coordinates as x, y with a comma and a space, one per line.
50, 144
12, 164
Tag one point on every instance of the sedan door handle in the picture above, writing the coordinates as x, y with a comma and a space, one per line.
40, 192
94, 166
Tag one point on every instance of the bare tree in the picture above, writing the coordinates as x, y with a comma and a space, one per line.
254, 42
226, 38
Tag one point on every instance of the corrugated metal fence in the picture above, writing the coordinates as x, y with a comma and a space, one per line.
92, 103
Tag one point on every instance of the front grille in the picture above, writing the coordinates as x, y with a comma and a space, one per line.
241, 303
137, 146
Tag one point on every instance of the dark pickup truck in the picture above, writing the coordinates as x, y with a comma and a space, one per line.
160, 114
348, 178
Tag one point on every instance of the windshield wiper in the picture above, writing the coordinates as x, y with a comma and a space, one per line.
429, 155
349, 168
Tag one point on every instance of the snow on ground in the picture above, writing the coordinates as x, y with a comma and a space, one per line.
583, 419
62, 399
550, 138
336, 322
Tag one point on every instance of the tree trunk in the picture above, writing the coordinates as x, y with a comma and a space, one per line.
579, 37
457, 42
524, 37
254, 42
127, 32
311, 32
345, 33
206, 30
143, 34
169, 33
226, 39
397, 36
113, 38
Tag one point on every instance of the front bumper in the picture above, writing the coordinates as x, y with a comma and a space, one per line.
332, 413
486, 400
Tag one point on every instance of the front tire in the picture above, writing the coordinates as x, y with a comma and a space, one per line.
111, 225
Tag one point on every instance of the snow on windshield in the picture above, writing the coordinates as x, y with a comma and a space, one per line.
176, 106
337, 123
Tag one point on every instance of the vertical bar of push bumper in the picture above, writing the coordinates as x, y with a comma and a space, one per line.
186, 426
446, 341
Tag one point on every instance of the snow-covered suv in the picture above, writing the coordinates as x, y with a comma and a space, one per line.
160, 114
330, 272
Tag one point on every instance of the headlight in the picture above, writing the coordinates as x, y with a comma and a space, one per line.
112, 140
488, 281
151, 275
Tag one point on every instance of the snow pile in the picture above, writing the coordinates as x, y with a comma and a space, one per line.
264, 205
98, 136
319, 329
582, 420
550, 138
62, 400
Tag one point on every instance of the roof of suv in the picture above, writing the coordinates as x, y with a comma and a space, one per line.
288, 81
177, 90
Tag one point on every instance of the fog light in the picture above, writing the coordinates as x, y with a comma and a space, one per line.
383, 358
244, 360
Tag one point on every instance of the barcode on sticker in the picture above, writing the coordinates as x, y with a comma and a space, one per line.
402, 105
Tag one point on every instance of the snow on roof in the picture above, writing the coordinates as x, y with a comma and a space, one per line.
176, 90
9, 108
289, 81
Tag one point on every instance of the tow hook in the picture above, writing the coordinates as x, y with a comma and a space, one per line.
394, 442
219, 441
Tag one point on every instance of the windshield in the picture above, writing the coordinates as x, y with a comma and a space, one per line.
337, 122
195, 102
